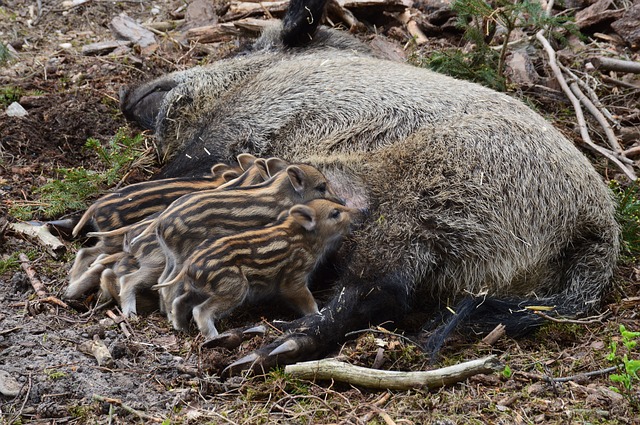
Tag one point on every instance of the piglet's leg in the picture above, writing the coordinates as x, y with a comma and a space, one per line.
301, 298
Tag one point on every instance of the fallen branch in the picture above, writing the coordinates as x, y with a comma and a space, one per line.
610, 64
125, 407
578, 109
38, 286
41, 232
332, 369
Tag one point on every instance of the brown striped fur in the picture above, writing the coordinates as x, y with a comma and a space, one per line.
271, 261
130, 205
148, 253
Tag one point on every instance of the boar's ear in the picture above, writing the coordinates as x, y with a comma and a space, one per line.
246, 160
219, 169
301, 21
297, 177
230, 175
304, 215
261, 166
275, 165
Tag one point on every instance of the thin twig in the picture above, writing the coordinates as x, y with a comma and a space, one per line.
37, 284
127, 408
578, 109
361, 331
586, 321
592, 94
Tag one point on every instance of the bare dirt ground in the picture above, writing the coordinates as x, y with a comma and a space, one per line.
159, 375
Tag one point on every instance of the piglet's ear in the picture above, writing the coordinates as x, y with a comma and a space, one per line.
297, 177
304, 215
275, 165
219, 169
245, 160
230, 175
261, 166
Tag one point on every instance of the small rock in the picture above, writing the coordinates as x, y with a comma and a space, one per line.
8, 385
16, 110
65, 46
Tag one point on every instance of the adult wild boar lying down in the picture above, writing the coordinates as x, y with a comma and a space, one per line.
473, 200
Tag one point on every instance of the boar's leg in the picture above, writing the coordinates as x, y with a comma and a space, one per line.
355, 306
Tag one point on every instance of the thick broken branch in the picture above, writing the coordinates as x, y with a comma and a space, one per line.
384, 379
610, 64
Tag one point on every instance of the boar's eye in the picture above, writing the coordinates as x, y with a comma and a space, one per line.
322, 187
334, 214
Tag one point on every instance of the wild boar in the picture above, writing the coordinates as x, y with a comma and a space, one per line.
471, 194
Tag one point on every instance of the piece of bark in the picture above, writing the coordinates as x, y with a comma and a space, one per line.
334, 9
103, 47
43, 236
493, 336
628, 27
418, 36
125, 28
252, 25
596, 14
387, 5
97, 349
212, 33
611, 64
332, 369
237, 9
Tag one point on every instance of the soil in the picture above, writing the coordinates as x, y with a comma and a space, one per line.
157, 374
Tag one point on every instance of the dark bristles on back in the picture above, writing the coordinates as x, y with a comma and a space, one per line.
301, 21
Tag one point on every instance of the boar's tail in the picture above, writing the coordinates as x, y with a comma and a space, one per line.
585, 272
301, 21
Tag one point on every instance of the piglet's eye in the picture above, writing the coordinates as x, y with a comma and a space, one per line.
334, 214
322, 187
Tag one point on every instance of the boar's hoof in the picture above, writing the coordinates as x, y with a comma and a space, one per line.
254, 331
285, 350
234, 337
245, 363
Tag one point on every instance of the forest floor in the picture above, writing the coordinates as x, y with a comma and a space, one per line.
158, 375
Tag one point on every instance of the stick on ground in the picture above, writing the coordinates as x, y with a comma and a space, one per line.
332, 369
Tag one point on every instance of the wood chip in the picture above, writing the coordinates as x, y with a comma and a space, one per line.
103, 47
